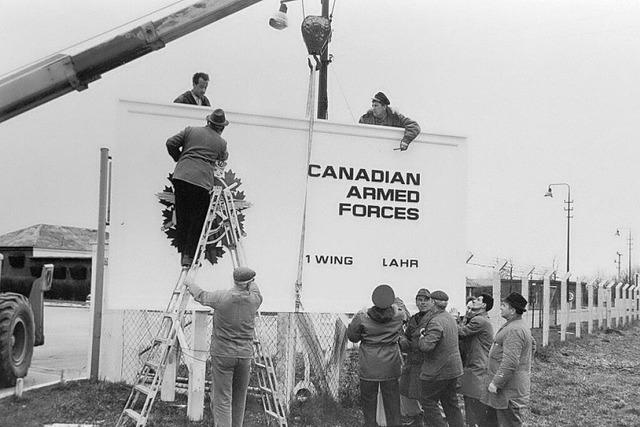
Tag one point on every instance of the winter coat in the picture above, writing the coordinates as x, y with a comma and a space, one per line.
477, 337
510, 365
439, 344
234, 317
410, 379
196, 149
394, 119
378, 331
189, 98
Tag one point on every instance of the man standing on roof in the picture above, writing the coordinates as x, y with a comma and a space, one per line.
196, 96
381, 114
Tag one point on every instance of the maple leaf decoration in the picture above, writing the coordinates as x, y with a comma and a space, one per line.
166, 198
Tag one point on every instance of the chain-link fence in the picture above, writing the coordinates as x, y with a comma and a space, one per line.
310, 352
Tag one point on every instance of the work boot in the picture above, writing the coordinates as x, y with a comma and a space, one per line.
186, 260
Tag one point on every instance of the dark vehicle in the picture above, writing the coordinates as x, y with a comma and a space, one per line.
21, 326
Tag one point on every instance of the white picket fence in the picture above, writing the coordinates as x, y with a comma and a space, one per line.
610, 304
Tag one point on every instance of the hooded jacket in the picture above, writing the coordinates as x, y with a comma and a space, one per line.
378, 330
394, 119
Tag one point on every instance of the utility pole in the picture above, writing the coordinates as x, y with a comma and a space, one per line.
323, 99
618, 262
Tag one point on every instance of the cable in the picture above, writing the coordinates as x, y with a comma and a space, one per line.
90, 38
343, 95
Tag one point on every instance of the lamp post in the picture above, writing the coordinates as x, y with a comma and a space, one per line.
568, 209
629, 243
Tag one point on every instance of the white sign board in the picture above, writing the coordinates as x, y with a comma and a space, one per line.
373, 215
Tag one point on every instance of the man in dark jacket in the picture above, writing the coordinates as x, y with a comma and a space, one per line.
410, 380
196, 151
382, 115
195, 96
509, 370
378, 330
476, 336
441, 366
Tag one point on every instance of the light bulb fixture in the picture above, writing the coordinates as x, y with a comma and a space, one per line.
548, 193
279, 19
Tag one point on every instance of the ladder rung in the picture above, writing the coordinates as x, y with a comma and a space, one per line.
143, 389
152, 365
133, 415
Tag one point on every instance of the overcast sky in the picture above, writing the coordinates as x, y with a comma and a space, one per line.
545, 92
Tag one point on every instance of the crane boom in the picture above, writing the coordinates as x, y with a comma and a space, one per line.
61, 74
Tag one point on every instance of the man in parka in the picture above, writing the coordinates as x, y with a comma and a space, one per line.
410, 380
441, 366
378, 330
476, 336
382, 115
509, 369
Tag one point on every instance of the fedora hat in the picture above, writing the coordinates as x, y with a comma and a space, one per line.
217, 117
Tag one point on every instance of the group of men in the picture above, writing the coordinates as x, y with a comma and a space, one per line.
420, 363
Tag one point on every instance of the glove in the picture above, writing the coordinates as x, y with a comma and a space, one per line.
404, 145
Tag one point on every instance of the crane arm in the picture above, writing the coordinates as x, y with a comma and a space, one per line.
61, 74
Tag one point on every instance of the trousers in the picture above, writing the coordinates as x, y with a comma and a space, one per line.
191, 205
230, 377
390, 396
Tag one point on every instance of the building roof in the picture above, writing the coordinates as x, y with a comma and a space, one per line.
45, 236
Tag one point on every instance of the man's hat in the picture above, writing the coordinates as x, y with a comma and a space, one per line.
243, 275
423, 292
439, 296
381, 98
217, 117
383, 296
517, 301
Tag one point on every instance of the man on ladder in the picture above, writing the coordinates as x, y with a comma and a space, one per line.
231, 343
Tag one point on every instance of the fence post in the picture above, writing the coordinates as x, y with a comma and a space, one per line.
626, 303
494, 314
619, 305
632, 302
578, 313
609, 300
591, 286
197, 370
524, 288
285, 368
564, 307
546, 308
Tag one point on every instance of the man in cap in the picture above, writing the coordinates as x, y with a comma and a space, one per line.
509, 368
476, 337
378, 329
441, 365
196, 150
381, 114
410, 380
231, 343
195, 96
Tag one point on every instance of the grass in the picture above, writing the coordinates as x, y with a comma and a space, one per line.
592, 381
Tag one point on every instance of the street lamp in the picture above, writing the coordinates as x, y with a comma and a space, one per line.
617, 261
568, 209
316, 29
629, 241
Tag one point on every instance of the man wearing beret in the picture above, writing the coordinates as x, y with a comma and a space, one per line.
509, 369
441, 366
378, 329
231, 343
381, 114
